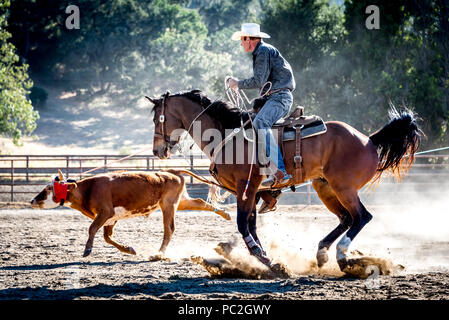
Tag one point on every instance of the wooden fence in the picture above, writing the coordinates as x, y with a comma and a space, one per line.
22, 176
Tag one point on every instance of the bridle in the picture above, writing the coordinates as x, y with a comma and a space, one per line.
163, 130
162, 122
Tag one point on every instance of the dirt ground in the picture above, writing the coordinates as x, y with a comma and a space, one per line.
41, 251
41, 258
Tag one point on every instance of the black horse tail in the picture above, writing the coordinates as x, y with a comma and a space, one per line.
397, 143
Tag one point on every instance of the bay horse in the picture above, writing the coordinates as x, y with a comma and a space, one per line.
339, 162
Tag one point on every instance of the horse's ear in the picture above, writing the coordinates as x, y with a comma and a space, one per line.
152, 100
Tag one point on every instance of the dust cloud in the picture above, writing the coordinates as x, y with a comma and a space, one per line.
408, 234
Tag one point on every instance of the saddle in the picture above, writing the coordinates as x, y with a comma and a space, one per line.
297, 127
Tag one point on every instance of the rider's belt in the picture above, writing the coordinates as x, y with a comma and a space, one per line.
269, 93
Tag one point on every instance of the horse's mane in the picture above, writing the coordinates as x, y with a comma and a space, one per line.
221, 111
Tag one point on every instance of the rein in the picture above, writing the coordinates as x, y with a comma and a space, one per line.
168, 141
237, 101
162, 121
191, 124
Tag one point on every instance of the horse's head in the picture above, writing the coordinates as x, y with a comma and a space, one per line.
167, 126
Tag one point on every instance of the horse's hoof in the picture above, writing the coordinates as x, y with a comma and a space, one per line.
342, 263
263, 208
322, 257
280, 271
266, 209
258, 252
87, 252
132, 251
226, 216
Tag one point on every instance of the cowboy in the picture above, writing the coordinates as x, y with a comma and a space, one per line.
268, 66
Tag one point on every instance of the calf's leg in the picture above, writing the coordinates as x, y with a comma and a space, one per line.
201, 205
98, 222
107, 233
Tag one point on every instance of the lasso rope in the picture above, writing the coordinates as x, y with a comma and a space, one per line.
121, 159
236, 99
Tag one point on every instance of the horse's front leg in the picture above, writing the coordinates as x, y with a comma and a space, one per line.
246, 224
252, 226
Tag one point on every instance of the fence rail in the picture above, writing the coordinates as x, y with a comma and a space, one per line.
27, 174
22, 175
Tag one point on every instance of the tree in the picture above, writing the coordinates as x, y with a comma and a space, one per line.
17, 116
174, 62
222, 14
309, 34
128, 45
407, 60
345, 71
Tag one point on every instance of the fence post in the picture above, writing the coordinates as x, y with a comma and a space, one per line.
309, 195
81, 169
12, 180
191, 167
105, 163
148, 163
27, 166
67, 166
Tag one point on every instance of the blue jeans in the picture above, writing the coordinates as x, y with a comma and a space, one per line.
277, 107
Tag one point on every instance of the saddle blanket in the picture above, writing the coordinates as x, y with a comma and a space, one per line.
309, 130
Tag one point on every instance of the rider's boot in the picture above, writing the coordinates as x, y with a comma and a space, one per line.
270, 200
278, 178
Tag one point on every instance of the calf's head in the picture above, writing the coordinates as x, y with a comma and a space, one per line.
54, 194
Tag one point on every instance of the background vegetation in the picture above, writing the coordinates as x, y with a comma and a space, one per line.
343, 70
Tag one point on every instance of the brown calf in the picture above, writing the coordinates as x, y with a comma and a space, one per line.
107, 198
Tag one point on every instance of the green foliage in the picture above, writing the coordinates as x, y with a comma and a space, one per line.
407, 60
303, 30
347, 72
187, 66
17, 116
220, 14
343, 70
125, 45
310, 35
112, 34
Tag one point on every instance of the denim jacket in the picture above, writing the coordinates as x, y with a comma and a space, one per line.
269, 65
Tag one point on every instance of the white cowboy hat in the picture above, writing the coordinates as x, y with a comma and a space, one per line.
249, 30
